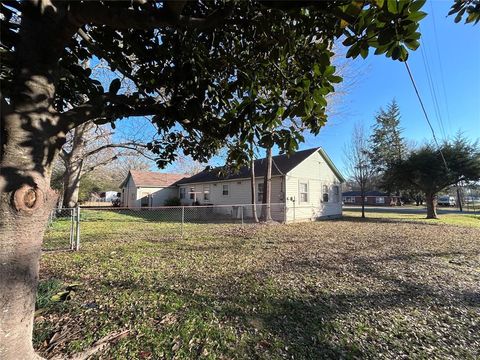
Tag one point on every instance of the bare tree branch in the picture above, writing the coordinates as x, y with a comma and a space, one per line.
132, 145
105, 162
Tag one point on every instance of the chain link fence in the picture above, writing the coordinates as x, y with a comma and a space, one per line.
71, 228
63, 230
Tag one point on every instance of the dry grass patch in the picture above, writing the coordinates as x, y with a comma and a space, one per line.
328, 289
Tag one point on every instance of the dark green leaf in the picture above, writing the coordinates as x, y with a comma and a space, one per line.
114, 86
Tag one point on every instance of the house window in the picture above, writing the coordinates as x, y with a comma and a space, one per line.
325, 193
336, 193
380, 200
182, 193
225, 190
349, 199
192, 193
206, 192
303, 192
260, 192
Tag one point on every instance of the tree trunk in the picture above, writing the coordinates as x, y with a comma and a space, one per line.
73, 162
459, 199
71, 187
267, 189
253, 188
431, 208
362, 201
30, 141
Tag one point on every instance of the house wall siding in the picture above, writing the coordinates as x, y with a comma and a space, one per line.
316, 173
132, 195
239, 192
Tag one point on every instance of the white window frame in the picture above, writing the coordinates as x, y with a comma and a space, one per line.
325, 192
182, 193
223, 190
260, 189
192, 193
206, 192
377, 200
301, 193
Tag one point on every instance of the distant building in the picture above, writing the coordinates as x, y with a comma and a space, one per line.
306, 185
148, 188
376, 198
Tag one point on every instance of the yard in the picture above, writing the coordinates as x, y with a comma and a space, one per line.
380, 288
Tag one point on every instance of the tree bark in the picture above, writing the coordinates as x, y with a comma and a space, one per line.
253, 188
362, 200
71, 185
73, 162
431, 208
459, 199
30, 142
267, 189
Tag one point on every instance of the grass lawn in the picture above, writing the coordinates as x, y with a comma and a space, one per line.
381, 288
469, 220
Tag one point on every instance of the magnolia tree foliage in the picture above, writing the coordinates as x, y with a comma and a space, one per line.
190, 73
187, 66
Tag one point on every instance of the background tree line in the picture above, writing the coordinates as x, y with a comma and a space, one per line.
385, 160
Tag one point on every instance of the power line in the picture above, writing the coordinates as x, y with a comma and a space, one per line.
441, 67
433, 93
425, 113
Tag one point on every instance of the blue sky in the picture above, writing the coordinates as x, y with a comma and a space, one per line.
382, 79
452, 55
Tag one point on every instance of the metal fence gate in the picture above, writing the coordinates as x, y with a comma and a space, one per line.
63, 231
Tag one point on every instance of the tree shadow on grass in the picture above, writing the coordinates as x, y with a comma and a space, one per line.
306, 322
395, 220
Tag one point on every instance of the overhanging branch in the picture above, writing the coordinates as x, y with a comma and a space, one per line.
112, 107
121, 18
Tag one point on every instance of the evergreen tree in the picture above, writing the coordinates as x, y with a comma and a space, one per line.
387, 144
424, 169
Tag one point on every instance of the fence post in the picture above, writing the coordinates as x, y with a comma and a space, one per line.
72, 227
183, 219
242, 213
77, 240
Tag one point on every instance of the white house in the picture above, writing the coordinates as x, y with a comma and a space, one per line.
148, 189
305, 186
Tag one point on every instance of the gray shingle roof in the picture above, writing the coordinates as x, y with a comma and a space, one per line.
282, 164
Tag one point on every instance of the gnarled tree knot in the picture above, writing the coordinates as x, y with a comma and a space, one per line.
28, 198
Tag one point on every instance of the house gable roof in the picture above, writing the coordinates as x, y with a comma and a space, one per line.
282, 164
152, 178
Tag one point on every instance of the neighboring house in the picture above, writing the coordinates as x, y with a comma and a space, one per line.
376, 198
109, 196
148, 189
305, 185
